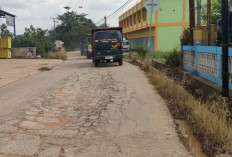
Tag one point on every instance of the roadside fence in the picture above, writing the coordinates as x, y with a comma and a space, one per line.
206, 61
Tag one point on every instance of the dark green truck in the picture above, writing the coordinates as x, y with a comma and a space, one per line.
107, 45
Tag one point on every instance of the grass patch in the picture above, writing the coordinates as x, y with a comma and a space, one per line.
126, 56
158, 54
61, 54
172, 58
209, 121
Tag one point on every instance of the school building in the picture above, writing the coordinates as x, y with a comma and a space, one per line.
168, 23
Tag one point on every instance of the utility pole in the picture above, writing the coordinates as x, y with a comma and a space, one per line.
209, 21
151, 6
198, 13
149, 39
15, 42
54, 21
105, 21
192, 20
225, 76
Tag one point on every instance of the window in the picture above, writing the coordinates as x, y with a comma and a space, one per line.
128, 22
144, 14
108, 35
125, 23
134, 19
131, 20
139, 16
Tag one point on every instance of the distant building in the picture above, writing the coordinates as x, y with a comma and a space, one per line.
167, 24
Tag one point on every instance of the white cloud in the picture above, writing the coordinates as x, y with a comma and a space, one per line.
38, 12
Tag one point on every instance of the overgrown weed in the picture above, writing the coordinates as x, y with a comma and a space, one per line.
141, 52
209, 121
61, 54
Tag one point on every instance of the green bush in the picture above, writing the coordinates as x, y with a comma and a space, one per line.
35, 37
185, 37
173, 58
142, 52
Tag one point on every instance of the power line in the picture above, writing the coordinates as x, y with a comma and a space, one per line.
76, 4
113, 16
70, 3
115, 12
82, 2
122, 7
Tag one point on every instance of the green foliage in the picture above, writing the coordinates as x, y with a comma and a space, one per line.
158, 54
173, 58
72, 46
141, 51
73, 29
185, 37
36, 37
4, 31
216, 12
126, 56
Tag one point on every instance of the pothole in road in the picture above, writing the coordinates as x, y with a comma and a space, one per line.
44, 69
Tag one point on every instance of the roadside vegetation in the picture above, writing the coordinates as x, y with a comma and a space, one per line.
209, 121
126, 56
216, 12
73, 28
141, 52
172, 58
4, 31
61, 54
36, 37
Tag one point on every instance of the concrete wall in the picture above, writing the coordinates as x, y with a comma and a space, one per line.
23, 52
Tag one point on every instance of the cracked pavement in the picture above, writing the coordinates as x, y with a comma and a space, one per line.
110, 111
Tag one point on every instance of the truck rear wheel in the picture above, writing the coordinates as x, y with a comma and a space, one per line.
120, 62
88, 55
96, 63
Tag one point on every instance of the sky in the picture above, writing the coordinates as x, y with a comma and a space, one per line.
39, 12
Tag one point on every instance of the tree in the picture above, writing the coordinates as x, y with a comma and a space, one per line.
73, 28
36, 37
5, 31
216, 12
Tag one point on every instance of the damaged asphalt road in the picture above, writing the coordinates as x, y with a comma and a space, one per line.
79, 110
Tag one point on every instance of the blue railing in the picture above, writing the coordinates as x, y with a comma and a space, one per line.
206, 61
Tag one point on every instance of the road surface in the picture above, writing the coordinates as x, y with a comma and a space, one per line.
79, 110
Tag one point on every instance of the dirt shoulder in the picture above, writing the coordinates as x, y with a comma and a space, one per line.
12, 70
